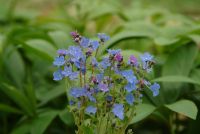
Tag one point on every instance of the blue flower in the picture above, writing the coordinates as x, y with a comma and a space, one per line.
130, 98
91, 110
109, 98
59, 61
62, 52
118, 110
155, 89
146, 59
84, 42
114, 52
133, 61
77, 92
58, 75
103, 37
130, 87
75, 52
94, 44
73, 75
67, 71
103, 87
94, 62
105, 63
91, 98
130, 77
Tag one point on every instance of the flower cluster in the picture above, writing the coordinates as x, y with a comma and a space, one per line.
109, 87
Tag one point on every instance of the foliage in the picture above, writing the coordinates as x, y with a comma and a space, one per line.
29, 40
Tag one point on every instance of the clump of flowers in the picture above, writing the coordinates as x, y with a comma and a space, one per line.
107, 89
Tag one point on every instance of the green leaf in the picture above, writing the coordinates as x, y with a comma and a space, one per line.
142, 111
51, 94
40, 124
42, 48
9, 109
180, 62
17, 97
185, 107
176, 78
67, 117
14, 65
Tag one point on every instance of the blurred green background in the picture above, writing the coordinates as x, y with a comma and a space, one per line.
32, 30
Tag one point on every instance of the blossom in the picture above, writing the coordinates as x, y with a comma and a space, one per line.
113, 51
118, 110
67, 71
103, 87
103, 37
155, 89
59, 61
94, 44
133, 60
130, 87
105, 63
77, 92
75, 52
62, 52
84, 42
130, 77
58, 75
94, 62
73, 75
130, 98
118, 57
91, 110
146, 59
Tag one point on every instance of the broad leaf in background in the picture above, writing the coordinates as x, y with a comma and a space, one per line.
142, 111
179, 62
185, 107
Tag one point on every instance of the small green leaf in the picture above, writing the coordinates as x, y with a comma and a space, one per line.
67, 117
142, 111
176, 78
185, 107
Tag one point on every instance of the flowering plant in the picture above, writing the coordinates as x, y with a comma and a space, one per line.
105, 99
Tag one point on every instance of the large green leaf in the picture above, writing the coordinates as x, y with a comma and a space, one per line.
40, 124
17, 97
42, 48
180, 62
142, 111
176, 78
14, 65
185, 107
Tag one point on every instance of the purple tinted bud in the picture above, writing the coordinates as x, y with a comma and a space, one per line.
133, 61
118, 57
62, 52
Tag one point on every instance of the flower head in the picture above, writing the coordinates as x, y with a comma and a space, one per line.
133, 60
130, 98
103, 37
77, 92
118, 110
118, 57
75, 52
62, 52
59, 61
130, 87
103, 87
130, 77
155, 89
94, 44
84, 42
147, 61
91, 110
58, 75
